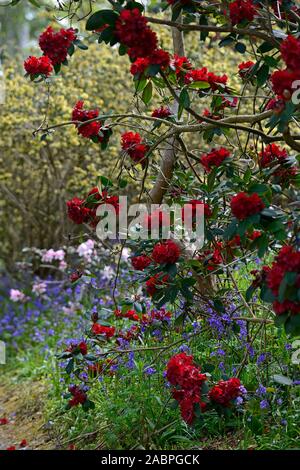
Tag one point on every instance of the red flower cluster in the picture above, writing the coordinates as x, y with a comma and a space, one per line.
84, 210
77, 212
3, 421
35, 66
93, 130
282, 81
107, 331
288, 260
55, 45
225, 391
187, 381
290, 52
241, 10
155, 282
79, 396
214, 158
158, 57
141, 262
162, 113
156, 315
133, 145
130, 314
181, 64
79, 114
131, 334
273, 154
166, 252
76, 348
133, 31
244, 205
194, 203
245, 68
202, 75
212, 258
270, 153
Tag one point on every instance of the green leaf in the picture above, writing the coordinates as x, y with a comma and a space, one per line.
100, 18
70, 366
147, 93
265, 47
184, 98
262, 75
199, 85
80, 44
240, 47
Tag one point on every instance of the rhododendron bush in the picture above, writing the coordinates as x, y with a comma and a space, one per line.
240, 289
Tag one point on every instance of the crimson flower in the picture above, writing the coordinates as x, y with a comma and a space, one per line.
214, 158
241, 10
141, 262
38, 65
244, 205
166, 252
107, 331
55, 45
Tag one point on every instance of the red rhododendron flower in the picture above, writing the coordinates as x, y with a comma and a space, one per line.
11, 448
202, 75
75, 276
197, 75
215, 80
241, 10
79, 396
77, 212
225, 391
139, 65
273, 154
141, 262
245, 68
290, 52
214, 158
133, 31
181, 64
38, 65
132, 144
276, 104
76, 348
244, 205
156, 281
79, 114
23, 443
163, 112
132, 315
270, 153
166, 252
287, 260
3, 421
55, 45
282, 81
107, 331
183, 374
160, 57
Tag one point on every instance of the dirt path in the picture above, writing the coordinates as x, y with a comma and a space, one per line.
22, 405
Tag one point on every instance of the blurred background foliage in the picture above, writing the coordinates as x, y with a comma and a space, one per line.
38, 176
